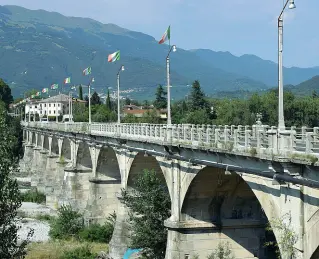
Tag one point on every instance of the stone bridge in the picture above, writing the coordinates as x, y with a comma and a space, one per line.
225, 182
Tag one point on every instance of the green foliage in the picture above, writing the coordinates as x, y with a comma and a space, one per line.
160, 98
108, 102
197, 98
151, 116
33, 196
10, 198
44, 217
68, 223
99, 233
149, 203
5, 94
130, 118
82, 252
222, 251
286, 236
80, 92
95, 99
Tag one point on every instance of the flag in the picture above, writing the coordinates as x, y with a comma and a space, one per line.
114, 56
166, 36
54, 86
87, 71
67, 80
38, 94
45, 90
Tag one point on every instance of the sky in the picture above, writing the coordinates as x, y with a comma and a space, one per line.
238, 26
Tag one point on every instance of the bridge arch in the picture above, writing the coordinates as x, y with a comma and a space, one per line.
46, 142
54, 145
226, 208
83, 156
66, 149
107, 165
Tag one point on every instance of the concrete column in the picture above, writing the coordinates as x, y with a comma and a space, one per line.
60, 142
42, 141
50, 143
94, 152
74, 151
37, 139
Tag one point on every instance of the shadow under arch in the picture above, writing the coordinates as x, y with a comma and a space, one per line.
66, 149
224, 208
107, 165
83, 157
315, 254
46, 142
34, 138
54, 145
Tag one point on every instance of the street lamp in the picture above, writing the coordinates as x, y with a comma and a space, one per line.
169, 119
118, 94
281, 119
89, 86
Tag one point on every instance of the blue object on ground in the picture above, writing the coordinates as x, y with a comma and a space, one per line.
130, 252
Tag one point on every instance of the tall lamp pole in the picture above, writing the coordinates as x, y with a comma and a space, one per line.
169, 119
89, 86
281, 119
118, 94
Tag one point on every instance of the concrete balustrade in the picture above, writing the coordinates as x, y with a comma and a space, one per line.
257, 139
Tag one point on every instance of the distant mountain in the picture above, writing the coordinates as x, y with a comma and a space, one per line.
38, 48
254, 67
306, 87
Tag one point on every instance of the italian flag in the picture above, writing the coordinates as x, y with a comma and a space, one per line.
113, 57
45, 90
87, 71
166, 36
67, 80
38, 94
54, 86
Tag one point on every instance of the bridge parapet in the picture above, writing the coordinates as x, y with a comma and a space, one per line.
292, 142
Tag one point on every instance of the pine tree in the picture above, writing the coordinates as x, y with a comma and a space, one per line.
80, 92
95, 99
161, 100
10, 198
5, 93
108, 101
197, 98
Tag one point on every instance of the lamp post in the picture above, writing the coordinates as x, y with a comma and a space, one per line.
281, 119
169, 119
118, 94
89, 86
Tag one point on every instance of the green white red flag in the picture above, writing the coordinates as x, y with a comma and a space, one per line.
54, 86
114, 56
38, 94
45, 90
67, 80
87, 71
166, 36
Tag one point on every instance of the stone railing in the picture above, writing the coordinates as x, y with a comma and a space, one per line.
256, 139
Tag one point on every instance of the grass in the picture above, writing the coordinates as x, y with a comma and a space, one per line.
55, 249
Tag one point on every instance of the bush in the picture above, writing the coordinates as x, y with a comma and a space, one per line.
68, 223
222, 251
33, 196
83, 252
99, 233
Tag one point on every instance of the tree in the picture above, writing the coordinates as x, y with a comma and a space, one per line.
127, 101
149, 203
108, 101
5, 93
160, 100
10, 198
95, 99
86, 98
197, 98
80, 92
146, 104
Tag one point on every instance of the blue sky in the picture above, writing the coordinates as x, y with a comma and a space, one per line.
238, 26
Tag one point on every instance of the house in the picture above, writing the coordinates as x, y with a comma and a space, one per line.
51, 107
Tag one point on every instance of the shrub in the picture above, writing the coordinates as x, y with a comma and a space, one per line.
33, 196
68, 223
82, 252
222, 251
44, 217
99, 233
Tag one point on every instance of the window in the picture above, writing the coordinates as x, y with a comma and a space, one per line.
54, 111
49, 104
45, 105
35, 106
49, 112
53, 105
58, 105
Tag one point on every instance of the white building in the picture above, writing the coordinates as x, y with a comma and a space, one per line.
51, 107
